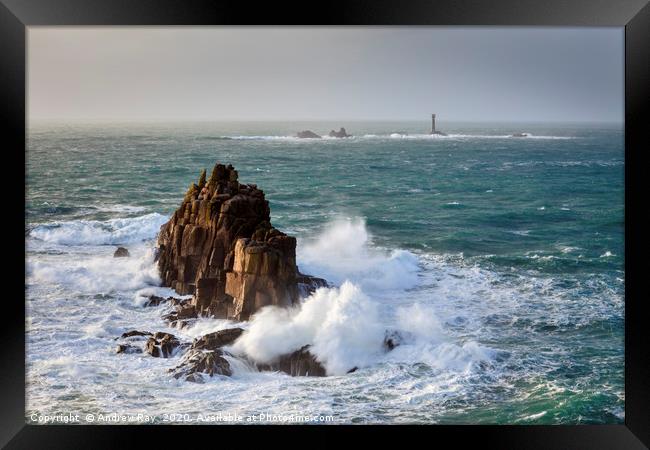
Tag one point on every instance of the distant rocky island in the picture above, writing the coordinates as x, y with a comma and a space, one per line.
308, 134
220, 247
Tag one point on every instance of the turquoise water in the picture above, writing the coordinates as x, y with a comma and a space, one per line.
512, 247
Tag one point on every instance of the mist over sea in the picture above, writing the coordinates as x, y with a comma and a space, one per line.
501, 257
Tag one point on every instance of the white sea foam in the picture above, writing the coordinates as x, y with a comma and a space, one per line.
441, 302
97, 273
341, 324
93, 232
345, 326
342, 252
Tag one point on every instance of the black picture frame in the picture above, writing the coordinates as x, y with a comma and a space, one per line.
634, 15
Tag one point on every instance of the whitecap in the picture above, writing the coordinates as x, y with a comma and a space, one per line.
93, 232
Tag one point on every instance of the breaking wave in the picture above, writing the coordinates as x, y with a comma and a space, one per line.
346, 325
93, 232
343, 252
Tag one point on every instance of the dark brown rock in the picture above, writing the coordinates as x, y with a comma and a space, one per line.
162, 345
121, 252
154, 300
133, 333
299, 363
183, 315
307, 284
197, 362
213, 341
127, 348
224, 250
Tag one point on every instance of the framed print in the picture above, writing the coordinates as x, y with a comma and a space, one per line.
422, 218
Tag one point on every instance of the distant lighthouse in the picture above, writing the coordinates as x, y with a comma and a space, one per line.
433, 127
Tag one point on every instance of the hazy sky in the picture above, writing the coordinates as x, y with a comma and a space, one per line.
281, 73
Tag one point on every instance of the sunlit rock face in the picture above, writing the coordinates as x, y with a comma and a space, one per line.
220, 246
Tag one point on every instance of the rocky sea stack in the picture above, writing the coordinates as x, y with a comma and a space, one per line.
220, 246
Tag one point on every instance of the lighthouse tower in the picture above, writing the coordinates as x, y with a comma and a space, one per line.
433, 124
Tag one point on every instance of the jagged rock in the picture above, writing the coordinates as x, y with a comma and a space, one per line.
339, 134
307, 284
213, 341
154, 300
299, 363
133, 333
121, 252
183, 315
307, 134
162, 345
196, 362
223, 249
127, 348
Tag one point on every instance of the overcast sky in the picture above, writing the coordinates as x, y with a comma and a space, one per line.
365, 73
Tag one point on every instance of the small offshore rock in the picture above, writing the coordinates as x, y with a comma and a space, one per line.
300, 363
127, 349
183, 315
134, 333
218, 339
339, 134
197, 362
121, 252
307, 134
162, 345
394, 338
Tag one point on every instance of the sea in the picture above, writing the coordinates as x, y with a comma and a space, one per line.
500, 259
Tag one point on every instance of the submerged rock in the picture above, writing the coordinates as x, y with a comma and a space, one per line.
339, 134
307, 134
394, 338
121, 252
220, 246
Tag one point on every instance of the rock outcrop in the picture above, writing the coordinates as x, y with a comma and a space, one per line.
121, 252
339, 134
218, 339
307, 134
162, 345
198, 362
220, 246
205, 356
299, 363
